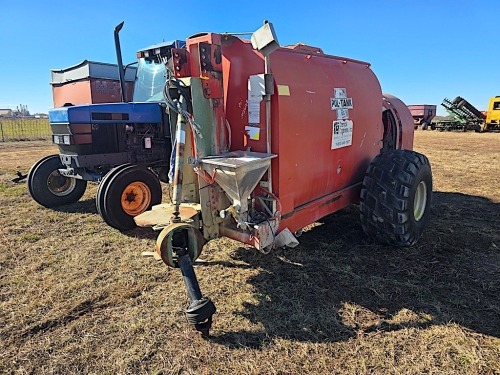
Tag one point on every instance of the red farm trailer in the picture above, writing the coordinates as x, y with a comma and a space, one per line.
90, 82
422, 114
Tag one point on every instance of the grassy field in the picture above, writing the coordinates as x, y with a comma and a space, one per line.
15, 129
76, 296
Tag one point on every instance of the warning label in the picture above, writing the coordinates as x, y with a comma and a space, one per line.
342, 134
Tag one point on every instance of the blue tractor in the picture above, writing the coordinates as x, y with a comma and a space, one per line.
126, 147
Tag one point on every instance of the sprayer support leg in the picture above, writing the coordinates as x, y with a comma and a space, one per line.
200, 310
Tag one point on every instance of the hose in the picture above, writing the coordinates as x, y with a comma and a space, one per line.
175, 106
277, 214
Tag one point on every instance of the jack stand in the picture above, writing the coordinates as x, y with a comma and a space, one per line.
175, 218
200, 310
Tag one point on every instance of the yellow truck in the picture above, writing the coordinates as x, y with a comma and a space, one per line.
493, 114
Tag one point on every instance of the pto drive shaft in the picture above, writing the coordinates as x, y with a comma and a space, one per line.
200, 310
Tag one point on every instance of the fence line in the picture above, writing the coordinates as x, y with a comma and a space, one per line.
22, 129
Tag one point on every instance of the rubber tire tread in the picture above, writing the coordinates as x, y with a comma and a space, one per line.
37, 183
99, 198
111, 208
387, 197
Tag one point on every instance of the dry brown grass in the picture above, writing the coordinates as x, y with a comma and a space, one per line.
77, 297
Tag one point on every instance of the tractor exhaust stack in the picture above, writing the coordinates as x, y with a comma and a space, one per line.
121, 70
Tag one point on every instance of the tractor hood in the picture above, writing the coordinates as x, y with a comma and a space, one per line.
101, 113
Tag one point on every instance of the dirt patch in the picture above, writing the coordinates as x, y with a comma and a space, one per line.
76, 296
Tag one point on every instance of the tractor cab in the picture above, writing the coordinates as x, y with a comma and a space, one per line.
151, 71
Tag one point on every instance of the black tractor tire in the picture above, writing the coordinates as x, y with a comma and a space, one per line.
128, 192
99, 198
49, 188
424, 125
396, 197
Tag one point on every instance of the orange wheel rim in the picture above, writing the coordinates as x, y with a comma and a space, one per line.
136, 198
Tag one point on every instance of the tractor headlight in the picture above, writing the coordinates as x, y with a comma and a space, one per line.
61, 139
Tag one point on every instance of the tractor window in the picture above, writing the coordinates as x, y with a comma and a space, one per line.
496, 106
149, 81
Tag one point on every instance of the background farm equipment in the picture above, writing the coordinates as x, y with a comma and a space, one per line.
422, 114
90, 82
464, 116
493, 114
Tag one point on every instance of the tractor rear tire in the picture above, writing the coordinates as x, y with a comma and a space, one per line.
128, 192
396, 197
49, 188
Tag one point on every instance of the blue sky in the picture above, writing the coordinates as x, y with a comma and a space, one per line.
421, 51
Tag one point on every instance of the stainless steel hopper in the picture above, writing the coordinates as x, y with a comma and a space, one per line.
238, 172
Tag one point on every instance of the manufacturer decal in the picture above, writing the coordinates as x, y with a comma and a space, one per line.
341, 103
341, 134
342, 128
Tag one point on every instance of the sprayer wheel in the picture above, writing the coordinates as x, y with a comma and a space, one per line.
396, 197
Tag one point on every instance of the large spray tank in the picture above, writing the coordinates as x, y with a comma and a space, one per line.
270, 139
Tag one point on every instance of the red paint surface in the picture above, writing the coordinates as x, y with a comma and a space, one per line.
310, 179
89, 91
